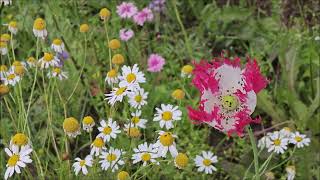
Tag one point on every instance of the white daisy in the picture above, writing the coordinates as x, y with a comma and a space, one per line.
97, 146
204, 162
39, 28
131, 77
11, 78
137, 121
278, 143
112, 77
81, 165
57, 45
58, 73
286, 132
108, 130
111, 159
166, 115
137, 98
19, 140
48, 60
300, 140
31, 61
145, 154
116, 94
166, 143
88, 123
12, 27
264, 142
17, 159
3, 48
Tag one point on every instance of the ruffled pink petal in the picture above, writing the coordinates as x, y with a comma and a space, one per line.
253, 77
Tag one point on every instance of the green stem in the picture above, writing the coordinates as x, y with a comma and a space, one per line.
255, 152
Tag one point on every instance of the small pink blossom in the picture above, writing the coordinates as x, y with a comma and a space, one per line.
126, 34
126, 10
142, 16
155, 63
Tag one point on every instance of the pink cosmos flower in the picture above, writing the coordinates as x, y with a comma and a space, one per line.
228, 93
155, 63
142, 16
126, 34
126, 10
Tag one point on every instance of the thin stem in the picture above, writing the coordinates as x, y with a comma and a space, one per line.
255, 152
107, 35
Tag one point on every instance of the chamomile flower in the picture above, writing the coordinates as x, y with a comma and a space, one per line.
167, 115
57, 72
123, 175
291, 172
104, 14
3, 48
11, 78
111, 159
116, 94
264, 142
12, 27
205, 162
145, 153
300, 140
39, 28
112, 77
81, 165
278, 143
131, 77
137, 98
48, 60
5, 37
57, 45
88, 123
178, 94
18, 159
3, 70
186, 71
71, 127
166, 143
19, 140
132, 131
285, 132
137, 121
181, 161
32, 62
4, 89
97, 146
108, 130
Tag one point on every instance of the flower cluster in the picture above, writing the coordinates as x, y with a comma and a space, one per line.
128, 10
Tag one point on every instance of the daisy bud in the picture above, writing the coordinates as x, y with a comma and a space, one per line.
104, 14
4, 89
178, 94
19, 139
84, 28
114, 44
181, 160
39, 24
71, 127
12, 26
123, 175
118, 59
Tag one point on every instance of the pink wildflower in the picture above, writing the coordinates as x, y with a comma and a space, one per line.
155, 63
126, 34
126, 10
228, 93
142, 16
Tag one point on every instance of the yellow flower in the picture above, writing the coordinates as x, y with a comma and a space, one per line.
19, 139
19, 70
123, 175
39, 24
178, 94
118, 59
84, 28
4, 89
13, 24
71, 126
3, 68
104, 14
186, 71
181, 160
133, 132
114, 44
5, 37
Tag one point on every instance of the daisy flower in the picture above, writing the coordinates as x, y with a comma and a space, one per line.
71, 127
111, 159
58, 73
181, 161
19, 140
12, 27
57, 45
114, 44
132, 131
155, 63
126, 10
84, 28
145, 15
166, 143
4, 89
286, 132
137, 121
3, 48
205, 162
88, 123
186, 71
11, 78
145, 153
117, 59
81, 165
108, 130
97, 146
291, 172
18, 159
116, 94
228, 94
131, 77
104, 14
39, 28
123, 175
278, 143
167, 115
32, 62
3, 70
112, 77
137, 98
48, 60
300, 140
126, 34
264, 142
178, 94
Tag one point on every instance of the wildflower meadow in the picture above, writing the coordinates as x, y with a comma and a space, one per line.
160, 89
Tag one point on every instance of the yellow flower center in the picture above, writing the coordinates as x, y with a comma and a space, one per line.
123, 175
84, 28
207, 162
135, 119
5, 37
287, 129
111, 157
114, 44
19, 70
82, 163
11, 76
178, 94
120, 91
166, 139
107, 130
277, 142
87, 120
167, 115
71, 125
4, 89
229, 102
3, 44
48, 57
298, 138
131, 77
31, 60
133, 132
118, 59
57, 42
138, 98
13, 160
104, 13
13, 24
57, 70
145, 157
39, 24
187, 69
98, 142
182, 160
112, 73
3, 68
20, 139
